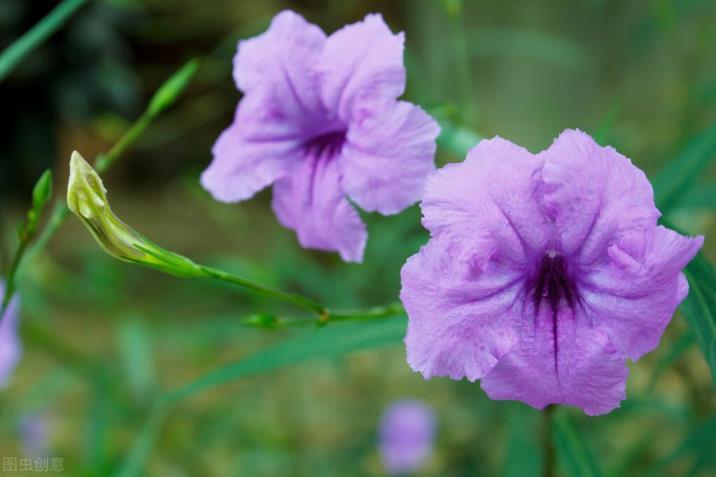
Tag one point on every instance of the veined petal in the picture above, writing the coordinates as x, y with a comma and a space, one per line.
493, 196
387, 158
462, 317
634, 300
257, 149
580, 367
596, 197
281, 63
311, 202
361, 64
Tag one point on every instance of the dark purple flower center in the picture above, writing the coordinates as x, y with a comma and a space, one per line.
552, 283
326, 144
551, 286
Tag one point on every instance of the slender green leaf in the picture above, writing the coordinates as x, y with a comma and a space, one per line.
42, 191
167, 94
523, 456
24, 45
575, 456
699, 197
142, 447
134, 344
672, 183
699, 307
329, 341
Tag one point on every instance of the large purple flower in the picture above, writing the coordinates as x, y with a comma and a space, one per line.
320, 121
10, 347
543, 273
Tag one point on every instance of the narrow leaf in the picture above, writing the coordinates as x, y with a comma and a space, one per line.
42, 191
329, 341
699, 307
24, 45
675, 179
172, 88
699, 197
576, 457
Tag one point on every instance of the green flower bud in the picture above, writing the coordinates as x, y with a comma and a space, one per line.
87, 198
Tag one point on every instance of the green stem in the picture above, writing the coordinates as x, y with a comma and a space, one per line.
22, 47
105, 161
549, 468
291, 298
17, 259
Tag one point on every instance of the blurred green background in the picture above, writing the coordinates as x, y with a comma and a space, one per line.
102, 338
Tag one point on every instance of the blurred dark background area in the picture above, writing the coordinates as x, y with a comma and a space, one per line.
525, 71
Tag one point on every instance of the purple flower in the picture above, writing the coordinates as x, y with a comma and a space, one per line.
35, 435
10, 347
320, 121
406, 436
543, 273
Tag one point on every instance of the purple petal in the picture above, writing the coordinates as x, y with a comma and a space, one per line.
461, 316
282, 64
311, 202
633, 300
10, 346
387, 158
595, 196
580, 367
256, 150
362, 63
493, 197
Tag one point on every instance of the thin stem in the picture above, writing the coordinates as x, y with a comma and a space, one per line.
549, 468
17, 259
291, 298
105, 161
22, 47
384, 311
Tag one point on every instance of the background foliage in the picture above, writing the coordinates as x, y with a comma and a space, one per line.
110, 349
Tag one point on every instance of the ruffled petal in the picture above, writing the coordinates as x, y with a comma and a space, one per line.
10, 346
580, 368
362, 63
492, 197
596, 197
387, 158
256, 150
461, 316
282, 64
311, 202
634, 300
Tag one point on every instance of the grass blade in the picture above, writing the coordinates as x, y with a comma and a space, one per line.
672, 183
329, 341
576, 457
44, 29
699, 307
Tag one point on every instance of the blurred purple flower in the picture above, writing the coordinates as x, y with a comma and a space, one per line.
407, 431
320, 121
35, 435
10, 347
543, 273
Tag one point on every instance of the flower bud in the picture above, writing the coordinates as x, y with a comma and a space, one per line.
87, 198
